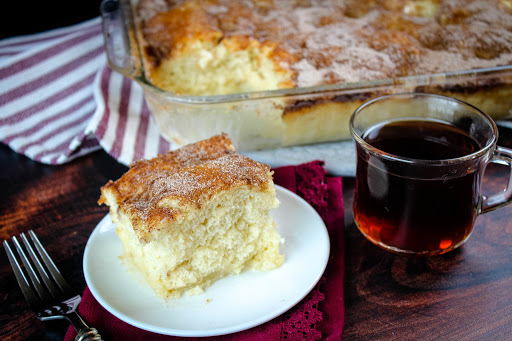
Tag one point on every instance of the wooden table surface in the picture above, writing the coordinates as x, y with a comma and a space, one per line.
463, 295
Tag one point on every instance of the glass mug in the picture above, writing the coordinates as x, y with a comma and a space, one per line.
420, 162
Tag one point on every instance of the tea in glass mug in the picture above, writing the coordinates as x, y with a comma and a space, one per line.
420, 161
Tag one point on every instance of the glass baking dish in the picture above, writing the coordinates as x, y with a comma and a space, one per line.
285, 117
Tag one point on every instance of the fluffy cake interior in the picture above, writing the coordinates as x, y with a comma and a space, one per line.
206, 217
221, 68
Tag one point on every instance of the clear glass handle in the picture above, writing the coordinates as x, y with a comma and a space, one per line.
502, 156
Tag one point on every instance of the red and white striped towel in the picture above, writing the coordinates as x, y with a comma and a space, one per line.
59, 100
122, 122
46, 97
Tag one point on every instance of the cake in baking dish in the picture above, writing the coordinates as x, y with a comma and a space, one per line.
206, 47
216, 47
194, 215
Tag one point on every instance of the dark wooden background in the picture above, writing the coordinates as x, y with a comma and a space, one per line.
463, 295
31, 16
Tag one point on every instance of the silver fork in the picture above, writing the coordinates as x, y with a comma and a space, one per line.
48, 293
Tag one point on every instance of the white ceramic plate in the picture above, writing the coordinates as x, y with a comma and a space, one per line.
231, 304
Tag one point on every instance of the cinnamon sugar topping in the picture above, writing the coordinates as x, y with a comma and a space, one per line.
346, 41
163, 187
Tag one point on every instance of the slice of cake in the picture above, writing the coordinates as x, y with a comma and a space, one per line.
194, 215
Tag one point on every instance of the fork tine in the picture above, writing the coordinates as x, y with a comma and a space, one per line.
37, 263
36, 281
23, 283
63, 307
50, 265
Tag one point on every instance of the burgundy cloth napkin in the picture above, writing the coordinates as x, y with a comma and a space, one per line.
319, 316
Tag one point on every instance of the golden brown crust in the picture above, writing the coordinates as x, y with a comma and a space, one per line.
331, 41
171, 31
163, 188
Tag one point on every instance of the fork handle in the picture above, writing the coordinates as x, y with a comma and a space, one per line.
88, 334
83, 331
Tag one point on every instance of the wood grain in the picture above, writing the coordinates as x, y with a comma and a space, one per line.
59, 203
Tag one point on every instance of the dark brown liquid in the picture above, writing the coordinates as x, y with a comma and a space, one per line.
422, 215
